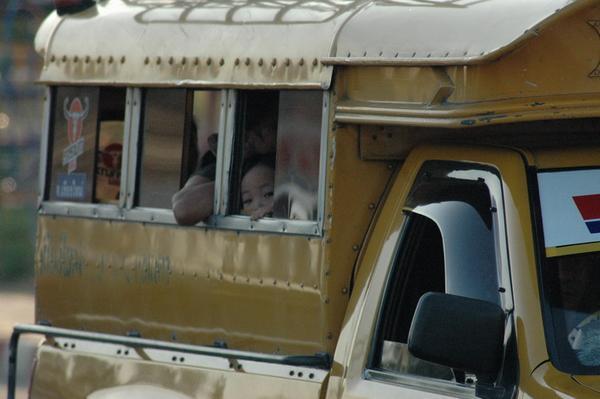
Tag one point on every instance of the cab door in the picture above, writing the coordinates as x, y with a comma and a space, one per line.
443, 232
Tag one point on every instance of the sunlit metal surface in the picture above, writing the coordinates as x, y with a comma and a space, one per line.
240, 43
71, 373
443, 32
284, 42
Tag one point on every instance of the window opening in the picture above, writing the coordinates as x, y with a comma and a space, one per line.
192, 200
447, 245
276, 155
87, 138
162, 140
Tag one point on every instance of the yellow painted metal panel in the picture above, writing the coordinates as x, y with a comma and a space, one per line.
551, 76
572, 249
190, 285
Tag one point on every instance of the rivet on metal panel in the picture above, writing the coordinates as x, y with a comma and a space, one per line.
208, 61
355, 247
171, 60
221, 62
158, 60
344, 290
122, 59
110, 59
237, 62
274, 62
315, 62
260, 62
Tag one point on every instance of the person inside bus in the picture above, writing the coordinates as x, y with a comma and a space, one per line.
194, 203
257, 186
578, 277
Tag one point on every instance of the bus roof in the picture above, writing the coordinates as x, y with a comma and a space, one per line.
279, 43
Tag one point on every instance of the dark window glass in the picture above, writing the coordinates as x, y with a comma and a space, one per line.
570, 286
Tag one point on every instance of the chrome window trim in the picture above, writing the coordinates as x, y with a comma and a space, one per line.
44, 145
227, 158
125, 177
223, 119
323, 160
133, 143
452, 389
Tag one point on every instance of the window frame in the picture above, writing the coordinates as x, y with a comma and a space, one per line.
127, 210
424, 383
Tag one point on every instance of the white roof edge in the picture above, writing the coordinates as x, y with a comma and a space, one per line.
466, 45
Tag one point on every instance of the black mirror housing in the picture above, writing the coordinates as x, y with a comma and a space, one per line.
458, 332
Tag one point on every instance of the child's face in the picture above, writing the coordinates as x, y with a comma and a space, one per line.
257, 191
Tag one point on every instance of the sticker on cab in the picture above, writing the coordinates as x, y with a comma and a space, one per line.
570, 202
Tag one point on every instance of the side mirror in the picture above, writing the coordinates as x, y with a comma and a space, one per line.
458, 332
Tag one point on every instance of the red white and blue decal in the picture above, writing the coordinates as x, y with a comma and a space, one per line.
570, 202
589, 208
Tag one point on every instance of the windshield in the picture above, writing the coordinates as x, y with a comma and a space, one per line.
572, 290
570, 267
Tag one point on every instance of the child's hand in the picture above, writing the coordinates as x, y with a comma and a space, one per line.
262, 212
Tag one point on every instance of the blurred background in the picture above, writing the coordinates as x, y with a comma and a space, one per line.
20, 129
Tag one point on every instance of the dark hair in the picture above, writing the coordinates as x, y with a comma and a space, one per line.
267, 160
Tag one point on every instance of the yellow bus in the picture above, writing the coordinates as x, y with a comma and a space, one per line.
327, 199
